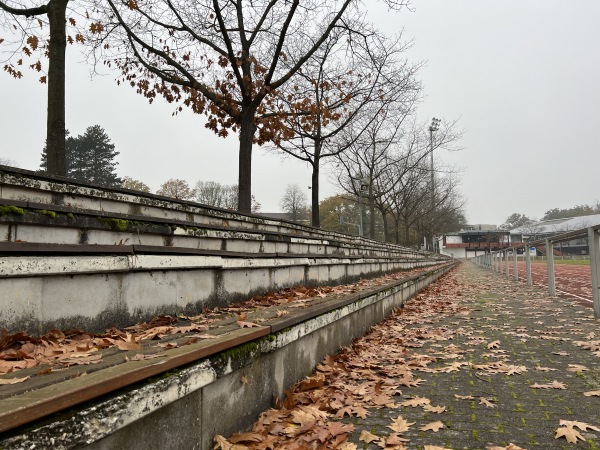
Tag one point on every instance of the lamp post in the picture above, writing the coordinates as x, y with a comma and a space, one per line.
435, 125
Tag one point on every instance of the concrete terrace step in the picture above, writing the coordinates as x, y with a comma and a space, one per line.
58, 194
56, 225
118, 393
84, 256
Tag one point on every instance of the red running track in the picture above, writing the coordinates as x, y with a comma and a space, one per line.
570, 280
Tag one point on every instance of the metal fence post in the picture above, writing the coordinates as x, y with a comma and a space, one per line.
528, 266
550, 267
500, 255
507, 272
594, 244
515, 270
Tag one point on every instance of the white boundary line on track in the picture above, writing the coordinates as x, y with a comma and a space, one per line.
566, 293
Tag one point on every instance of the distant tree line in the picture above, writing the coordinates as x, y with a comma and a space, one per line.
575, 211
516, 220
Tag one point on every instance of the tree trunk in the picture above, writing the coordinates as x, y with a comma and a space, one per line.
386, 231
372, 212
247, 129
407, 235
55, 126
315, 216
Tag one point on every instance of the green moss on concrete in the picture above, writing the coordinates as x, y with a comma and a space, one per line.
45, 212
241, 351
115, 224
11, 210
164, 376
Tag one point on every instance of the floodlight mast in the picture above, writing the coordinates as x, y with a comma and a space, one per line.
435, 126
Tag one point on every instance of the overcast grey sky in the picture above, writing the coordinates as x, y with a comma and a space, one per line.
523, 76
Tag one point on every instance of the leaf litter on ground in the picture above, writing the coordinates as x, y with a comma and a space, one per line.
59, 349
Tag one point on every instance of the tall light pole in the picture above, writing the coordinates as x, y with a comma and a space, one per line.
435, 125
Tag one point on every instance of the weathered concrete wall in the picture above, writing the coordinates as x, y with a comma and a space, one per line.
188, 406
95, 293
90, 257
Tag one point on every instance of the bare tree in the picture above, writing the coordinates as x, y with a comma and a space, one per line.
133, 184
368, 155
220, 58
391, 161
447, 209
8, 162
177, 189
213, 193
221, 195
348, 74
293, 202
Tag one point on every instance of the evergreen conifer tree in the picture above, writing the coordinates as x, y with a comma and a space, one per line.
89, 157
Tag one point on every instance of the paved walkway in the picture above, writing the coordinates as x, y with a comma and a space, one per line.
500, 365
539, 341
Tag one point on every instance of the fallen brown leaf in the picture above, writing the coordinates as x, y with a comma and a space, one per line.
464, 397
417, 401
243, 324
367, 437
569, 433
399, 425
224, 444
130, 343
433, 426
486, 402
508, 447
394, 441
434, 409
554, 385
592, 393
581, 425
4, 381
246, 437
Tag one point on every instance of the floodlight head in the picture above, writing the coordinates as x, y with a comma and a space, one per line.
435, 124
